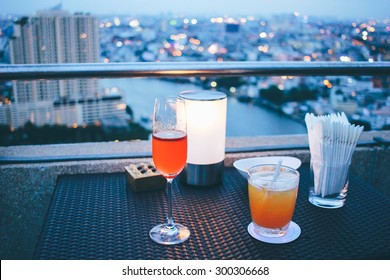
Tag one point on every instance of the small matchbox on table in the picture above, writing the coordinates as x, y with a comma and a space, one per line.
144, 177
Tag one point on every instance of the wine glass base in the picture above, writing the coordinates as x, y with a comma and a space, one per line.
169, 235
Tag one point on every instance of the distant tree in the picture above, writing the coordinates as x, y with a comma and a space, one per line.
129, 111
5, 134
278, 96
366, 125
273, 94
302, 93
31, 134
227, 82
386, 127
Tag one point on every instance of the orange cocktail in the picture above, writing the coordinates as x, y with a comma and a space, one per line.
169, 152
272, 203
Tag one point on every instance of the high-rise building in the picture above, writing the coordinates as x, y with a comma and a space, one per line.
55, 36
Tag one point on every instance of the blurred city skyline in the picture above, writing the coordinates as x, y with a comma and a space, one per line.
347, 9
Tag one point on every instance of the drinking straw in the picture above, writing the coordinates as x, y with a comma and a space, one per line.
277, 171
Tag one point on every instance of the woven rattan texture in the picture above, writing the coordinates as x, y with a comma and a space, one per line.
95, 217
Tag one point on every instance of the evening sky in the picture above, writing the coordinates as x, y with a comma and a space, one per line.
349, 9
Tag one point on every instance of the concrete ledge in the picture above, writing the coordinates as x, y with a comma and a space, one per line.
26, 189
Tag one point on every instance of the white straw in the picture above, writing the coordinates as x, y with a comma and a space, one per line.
277, 171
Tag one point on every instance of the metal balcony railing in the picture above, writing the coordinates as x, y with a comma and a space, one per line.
185, 69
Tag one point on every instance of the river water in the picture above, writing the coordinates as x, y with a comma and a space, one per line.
243, 119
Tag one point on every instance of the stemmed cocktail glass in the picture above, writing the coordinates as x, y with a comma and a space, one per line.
169, 148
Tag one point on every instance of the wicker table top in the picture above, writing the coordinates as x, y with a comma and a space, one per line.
94, 216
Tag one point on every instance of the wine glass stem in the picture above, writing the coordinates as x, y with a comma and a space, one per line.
170, 222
